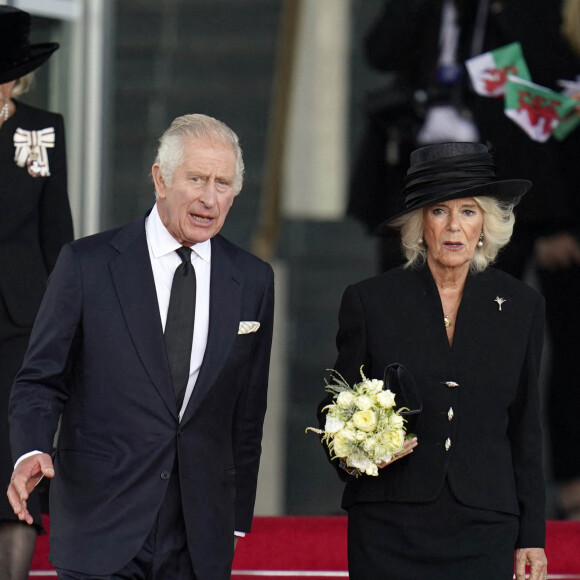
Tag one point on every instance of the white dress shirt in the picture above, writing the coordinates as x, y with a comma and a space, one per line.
164, 261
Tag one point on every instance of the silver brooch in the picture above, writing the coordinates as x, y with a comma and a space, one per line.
499, 301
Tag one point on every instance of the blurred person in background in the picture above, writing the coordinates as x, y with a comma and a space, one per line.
425, 43
35, 222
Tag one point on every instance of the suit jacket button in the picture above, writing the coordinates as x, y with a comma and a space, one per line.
165, 475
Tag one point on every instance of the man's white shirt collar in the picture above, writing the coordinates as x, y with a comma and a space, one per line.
163, 243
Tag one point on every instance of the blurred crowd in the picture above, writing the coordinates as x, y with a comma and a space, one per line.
422, 46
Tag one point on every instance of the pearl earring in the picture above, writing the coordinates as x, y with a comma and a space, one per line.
480, 243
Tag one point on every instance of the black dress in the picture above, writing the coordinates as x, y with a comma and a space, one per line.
472, 491
35, 221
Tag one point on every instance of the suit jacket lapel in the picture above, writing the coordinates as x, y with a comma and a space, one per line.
133, 280
225, 306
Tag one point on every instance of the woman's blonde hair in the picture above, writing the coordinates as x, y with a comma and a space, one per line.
498, 225
23, 84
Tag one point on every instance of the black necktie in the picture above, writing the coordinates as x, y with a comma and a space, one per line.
179, 326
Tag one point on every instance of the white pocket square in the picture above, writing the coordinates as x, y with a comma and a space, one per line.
248, 326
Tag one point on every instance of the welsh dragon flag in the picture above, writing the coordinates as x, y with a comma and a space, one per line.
536, 109
489, 71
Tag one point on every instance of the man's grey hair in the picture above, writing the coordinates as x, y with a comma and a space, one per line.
196, 126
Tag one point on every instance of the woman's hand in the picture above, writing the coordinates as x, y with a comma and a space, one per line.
536, 559
408, 447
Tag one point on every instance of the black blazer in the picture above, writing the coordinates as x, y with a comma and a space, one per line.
494, 458
97, 358
35, 216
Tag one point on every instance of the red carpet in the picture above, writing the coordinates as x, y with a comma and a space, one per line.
315, 547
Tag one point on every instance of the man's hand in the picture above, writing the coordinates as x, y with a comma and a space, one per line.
24, 479
535, 558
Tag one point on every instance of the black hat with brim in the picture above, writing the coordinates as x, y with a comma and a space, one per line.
17, 56
447, 171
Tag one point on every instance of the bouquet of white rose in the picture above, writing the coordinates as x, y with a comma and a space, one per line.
363, 428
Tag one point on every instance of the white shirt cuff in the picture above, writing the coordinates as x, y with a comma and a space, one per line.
23, 457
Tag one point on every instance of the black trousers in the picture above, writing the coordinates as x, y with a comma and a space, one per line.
164, 555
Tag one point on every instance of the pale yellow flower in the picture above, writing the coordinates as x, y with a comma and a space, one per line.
396, 421
394, 439
365, 421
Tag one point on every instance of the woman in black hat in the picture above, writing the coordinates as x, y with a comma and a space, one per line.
35, 221
468, 491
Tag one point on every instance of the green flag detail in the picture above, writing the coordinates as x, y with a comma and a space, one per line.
536, 109
489, 71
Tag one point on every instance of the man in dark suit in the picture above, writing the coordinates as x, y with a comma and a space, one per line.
153, 475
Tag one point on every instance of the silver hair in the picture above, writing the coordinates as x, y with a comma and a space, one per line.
196, 126
498, 225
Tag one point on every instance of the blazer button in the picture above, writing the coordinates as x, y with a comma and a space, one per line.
450, 414
165, 475
447, 444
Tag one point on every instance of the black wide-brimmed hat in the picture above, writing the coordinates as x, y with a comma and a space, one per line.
448, 171
17, 56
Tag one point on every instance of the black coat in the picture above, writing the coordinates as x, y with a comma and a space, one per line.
494, 458
35, 216
97, 359
35, 221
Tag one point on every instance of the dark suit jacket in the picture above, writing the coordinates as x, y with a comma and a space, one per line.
35, 217
97, 358
494, 461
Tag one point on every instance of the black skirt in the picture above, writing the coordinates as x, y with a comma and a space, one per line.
430, 541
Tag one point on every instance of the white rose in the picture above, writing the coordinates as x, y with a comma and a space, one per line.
386, 399
369, 445
359, 461
365, 421
372, 469
333, 424
396, 421
385, 457
345, 400
374, 386
364, 403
